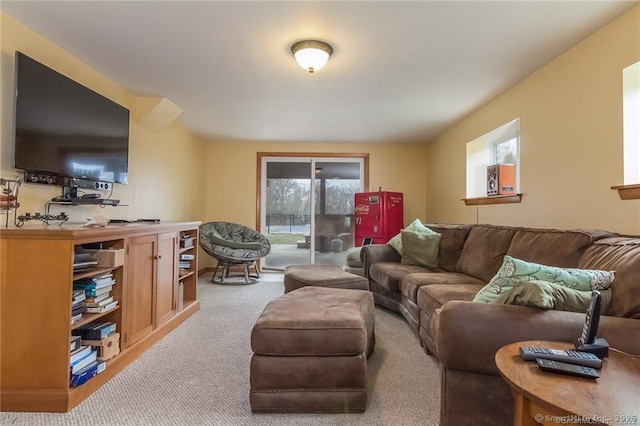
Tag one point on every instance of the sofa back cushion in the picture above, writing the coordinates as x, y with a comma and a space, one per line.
484, 250
451, 243
622, 255
553, 247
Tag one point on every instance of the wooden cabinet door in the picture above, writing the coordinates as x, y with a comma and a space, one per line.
139, 309
167, 273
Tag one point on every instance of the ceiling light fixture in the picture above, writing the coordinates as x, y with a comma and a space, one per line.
311, 54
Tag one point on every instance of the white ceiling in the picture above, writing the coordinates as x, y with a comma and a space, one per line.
401, 71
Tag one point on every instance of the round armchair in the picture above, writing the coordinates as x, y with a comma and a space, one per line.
232, 244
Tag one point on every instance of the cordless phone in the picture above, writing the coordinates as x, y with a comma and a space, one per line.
591, 321
588, 342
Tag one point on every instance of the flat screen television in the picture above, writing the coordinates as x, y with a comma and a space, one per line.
65, 129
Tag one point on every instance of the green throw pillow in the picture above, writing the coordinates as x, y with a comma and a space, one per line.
415, 226
515, 272
420, 249
546, 295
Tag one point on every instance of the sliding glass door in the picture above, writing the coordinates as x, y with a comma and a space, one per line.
307, 208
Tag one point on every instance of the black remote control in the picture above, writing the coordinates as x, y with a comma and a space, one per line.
530, 353
568, 369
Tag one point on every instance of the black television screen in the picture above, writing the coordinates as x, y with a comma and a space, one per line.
66, 129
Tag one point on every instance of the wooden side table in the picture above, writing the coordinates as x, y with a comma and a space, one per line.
553, 399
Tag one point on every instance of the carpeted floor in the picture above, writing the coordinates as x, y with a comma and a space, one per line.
199, 374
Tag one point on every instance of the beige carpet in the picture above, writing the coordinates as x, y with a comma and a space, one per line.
199, 374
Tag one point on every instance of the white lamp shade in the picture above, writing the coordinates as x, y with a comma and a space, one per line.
311, 54
311, 59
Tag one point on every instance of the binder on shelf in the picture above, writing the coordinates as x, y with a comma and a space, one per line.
87, 373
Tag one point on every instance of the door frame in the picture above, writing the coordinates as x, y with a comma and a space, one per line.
313, 155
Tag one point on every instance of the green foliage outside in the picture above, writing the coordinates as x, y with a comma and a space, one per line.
284, 238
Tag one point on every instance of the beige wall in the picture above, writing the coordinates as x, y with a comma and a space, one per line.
399, 168
571, 141
164, 168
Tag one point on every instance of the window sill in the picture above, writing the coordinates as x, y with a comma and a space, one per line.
497, 199
628, 192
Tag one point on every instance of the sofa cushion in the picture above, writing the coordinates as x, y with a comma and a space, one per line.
451, 243
547, 295
621, 254
432, 297
420, 249
484, 251
388, 274
415, 226
552, 246
516, 272
410, 284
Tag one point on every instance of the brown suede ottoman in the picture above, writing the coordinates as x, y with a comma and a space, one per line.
297, 276
310, 351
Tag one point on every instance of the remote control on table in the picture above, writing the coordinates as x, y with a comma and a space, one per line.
568, 369
530, 353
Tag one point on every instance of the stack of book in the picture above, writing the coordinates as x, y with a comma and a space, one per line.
77, 305
83, 362
184, 264
97, 291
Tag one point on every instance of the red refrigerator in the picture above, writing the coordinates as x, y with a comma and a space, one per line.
378, 215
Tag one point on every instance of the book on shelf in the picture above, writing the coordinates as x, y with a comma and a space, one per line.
75, 343
79, 353
102, 302
95, 299
95, 293
79, 310
95, 330
184, 265
81, 377
83, 264
94, 285
76, 318
76, 305
78, 296
83, 362
187, 257
101, 309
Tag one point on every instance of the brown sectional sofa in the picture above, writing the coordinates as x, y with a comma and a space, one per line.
464, 336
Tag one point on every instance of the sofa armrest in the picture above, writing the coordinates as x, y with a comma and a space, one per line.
375, 253
470, 334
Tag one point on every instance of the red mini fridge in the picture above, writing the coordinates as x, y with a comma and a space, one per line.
378, 216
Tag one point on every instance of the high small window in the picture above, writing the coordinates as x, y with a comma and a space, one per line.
631, 127
499, 146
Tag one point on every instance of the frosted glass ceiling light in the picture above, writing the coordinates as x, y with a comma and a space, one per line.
311, 54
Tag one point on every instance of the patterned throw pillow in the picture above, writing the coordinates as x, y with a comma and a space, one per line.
516, 272
415, 226
420, 249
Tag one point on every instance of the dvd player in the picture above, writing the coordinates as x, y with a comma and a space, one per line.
88, 200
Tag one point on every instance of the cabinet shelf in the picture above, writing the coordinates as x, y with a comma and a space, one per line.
183, 249
87, 318
90, 272
186, 275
